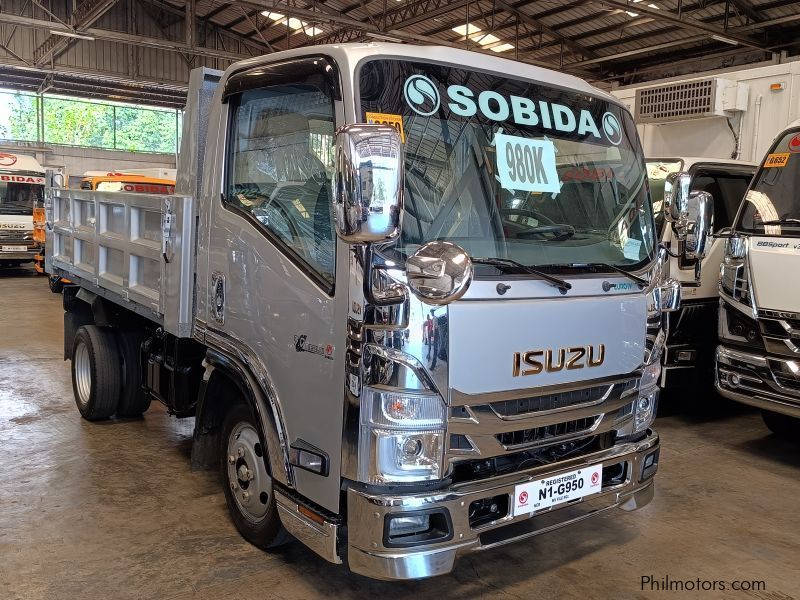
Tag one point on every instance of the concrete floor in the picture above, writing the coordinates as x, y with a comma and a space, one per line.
112, 510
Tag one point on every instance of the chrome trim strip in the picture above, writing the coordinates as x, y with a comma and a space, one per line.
319, 537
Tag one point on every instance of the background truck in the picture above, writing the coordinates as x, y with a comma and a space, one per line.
759, 315
329, 199
688, 358
22, 181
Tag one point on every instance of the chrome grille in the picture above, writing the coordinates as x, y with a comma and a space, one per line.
491, 425
515, 440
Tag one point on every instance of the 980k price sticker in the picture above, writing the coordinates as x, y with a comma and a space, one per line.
526, 165
546, 493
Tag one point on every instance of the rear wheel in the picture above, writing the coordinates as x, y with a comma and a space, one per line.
133, 400
781, 425
247, 482
96, 372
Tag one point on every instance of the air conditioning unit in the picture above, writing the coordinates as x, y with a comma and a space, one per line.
695, 99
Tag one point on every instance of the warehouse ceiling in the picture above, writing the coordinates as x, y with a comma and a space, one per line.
142, 49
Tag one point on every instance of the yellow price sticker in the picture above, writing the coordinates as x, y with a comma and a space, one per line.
395, 121
777, 160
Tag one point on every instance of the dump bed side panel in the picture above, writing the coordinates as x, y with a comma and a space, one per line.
134, 249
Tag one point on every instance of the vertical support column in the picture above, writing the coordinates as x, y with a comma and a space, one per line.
190, 23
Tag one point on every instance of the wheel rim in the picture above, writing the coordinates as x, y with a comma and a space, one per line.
250, 484
83, 374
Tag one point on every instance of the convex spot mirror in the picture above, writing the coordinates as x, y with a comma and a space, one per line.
439, 272
368, 183
676, 196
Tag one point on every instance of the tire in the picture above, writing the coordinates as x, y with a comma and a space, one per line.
133, 400
251, 502
55, 284
96, 372
781, 425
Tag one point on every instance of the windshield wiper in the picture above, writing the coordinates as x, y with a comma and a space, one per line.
643, 283
781, 222
505, 263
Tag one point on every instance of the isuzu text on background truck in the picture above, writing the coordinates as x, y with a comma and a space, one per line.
758, 359
22, 181
688, 357
330, 202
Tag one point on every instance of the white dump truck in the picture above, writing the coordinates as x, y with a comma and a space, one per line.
407, 325
759, 314
22, 181
688, 357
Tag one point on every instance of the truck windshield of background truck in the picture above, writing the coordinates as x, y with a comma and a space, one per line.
512, 169
19, 192
772, 205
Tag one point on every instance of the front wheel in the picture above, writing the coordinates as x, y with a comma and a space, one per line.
246, 481
781, 425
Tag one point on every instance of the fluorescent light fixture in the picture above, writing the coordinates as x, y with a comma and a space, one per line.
726, 40
502, 48
294, 23
71, 34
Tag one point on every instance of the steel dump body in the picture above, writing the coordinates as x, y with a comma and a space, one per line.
310, 352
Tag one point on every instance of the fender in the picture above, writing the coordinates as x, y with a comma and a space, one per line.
260, 400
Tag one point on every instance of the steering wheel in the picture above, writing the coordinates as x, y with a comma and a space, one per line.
559, 231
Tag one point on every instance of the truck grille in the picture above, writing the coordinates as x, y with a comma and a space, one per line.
484, 426
514, 408
16, 237
515, 440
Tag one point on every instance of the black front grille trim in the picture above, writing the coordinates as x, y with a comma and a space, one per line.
540, 435
570, 399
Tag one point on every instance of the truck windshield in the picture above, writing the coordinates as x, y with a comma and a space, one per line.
18, 198
771, 205
512, 169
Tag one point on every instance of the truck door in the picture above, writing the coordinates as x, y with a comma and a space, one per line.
272, 252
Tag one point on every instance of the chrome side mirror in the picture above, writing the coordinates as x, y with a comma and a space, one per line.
668, 295
369, 183
439, 272
700, 208
676, 197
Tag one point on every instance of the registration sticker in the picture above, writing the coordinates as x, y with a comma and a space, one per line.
395, 121
547, 493
525, 164
777, 160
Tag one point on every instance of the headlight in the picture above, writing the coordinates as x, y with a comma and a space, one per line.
401, 437
644, 410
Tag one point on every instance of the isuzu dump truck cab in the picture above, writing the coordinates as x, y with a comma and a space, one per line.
759, 319
332, 205
688, 357
22, 181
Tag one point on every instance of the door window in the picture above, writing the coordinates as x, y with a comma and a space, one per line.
280, 167
727, 189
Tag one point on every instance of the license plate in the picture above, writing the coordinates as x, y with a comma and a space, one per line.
559, 489
14, 248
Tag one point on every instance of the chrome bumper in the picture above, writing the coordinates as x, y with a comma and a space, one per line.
763, 381
369, 555
26, 255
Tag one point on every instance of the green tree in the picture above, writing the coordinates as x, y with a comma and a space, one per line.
77, 123
145, 130
23, 118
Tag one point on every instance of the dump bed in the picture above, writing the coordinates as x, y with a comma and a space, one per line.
134, 249
138, 250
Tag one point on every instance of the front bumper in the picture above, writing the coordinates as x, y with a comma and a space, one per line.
764, 381
367, 513
22, 256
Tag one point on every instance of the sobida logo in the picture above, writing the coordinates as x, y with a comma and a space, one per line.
422, 95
